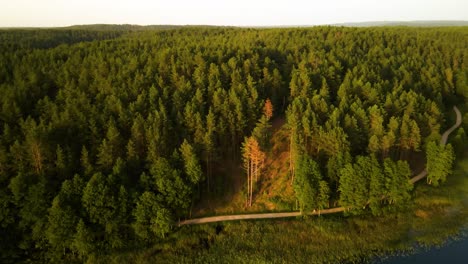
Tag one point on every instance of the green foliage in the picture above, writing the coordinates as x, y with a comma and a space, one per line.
106, 205
84, 240
354, 183
170, 183
462, 83
151, 219
311, 191
367, 182
110, 148
439, 162
335, 164
191, 163
99, 199
459, 141
397, 185
377, 186
65, 214
138, 112
262, 132
323, 197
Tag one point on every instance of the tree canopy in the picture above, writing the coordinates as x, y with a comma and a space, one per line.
107, 137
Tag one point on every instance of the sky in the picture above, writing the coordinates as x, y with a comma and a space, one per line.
53, 13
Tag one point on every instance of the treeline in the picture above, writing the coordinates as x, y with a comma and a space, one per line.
26, 39
105, 144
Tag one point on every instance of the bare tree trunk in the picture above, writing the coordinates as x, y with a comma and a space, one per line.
251, 186
248, 184
291, 165
256, 171
208, 173
37, 157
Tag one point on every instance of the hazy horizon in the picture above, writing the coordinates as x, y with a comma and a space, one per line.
357, 23
56, 13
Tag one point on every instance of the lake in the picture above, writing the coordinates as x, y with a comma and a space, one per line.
453, 252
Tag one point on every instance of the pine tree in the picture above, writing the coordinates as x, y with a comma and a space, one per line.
64, 215
246, 154
35, 146
86, 165
397, 184
323, 198
83, 241
209, 144
374, 144
152, 220
110, 148
191, 163
439, 162
311, 190
61, 163
306, 184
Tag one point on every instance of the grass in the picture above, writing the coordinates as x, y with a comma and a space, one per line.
442, 211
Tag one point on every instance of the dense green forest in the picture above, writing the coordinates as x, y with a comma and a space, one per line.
108, 137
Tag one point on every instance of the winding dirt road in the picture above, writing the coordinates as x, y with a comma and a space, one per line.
221, 218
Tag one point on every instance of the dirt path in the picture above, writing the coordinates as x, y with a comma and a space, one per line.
222, 218
256, 216
444, 138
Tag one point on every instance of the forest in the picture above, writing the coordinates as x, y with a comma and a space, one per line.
110, 136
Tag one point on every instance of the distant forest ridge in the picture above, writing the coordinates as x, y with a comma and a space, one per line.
133, 27
419, 23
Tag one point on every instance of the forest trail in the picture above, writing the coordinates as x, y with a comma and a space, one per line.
444, 138
257, 216
221, 218
443, 141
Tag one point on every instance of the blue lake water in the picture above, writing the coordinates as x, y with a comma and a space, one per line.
454, 252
